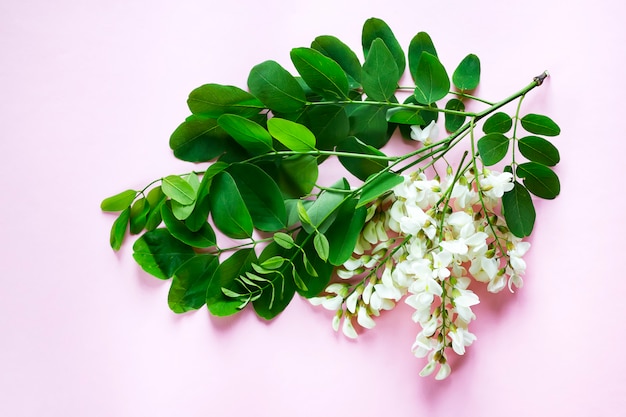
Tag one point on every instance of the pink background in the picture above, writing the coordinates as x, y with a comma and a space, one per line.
91, 90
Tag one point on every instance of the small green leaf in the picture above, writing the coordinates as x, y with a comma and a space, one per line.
454, 121
190, 283
213, 100
340, 53
293, 135
404, 116
224, 296
298, 175
321, 213
119, 201
247, 133
498, 123
431, 82
302, 213
198, 140
380, 73
228, 209
279, 289
321, 246
492, 148
203, 238
322, 74
369, 124
284, 240
118, 230
139, 215
308, 266
344, 234
378, 186
276, 88
178, 190
374, 29
467, 75
519, 211
540, 125
360, 167
160, 254
539, 150
419, 44
539, 179
274, 262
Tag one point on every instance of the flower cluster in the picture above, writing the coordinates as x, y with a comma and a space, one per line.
424, 244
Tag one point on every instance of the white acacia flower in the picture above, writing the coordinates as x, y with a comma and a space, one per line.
425, 135
460, 339
348, 328
495, 184
364, 319
463, 304
444, 372
515, 256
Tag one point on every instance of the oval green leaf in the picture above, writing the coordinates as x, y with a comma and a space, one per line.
323, 75
293, 135
119, 201
160, 254
519, 211
198, 140
492, 148
374, 29
344, 234
261, 196
139, 215
377, 186
540, 125
276, 87
539, 179
538, 149
178, 190
498, 123
467, 75
420, 43
431, 79
454, 121
249, 134
360, 167
297, 175
203, 238
190, 283
380, 73
228, 209
118, 230
213, 100
338, 51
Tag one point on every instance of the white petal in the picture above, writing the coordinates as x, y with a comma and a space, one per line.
444, 371
348, 328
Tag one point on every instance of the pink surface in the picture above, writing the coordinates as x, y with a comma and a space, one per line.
90, 92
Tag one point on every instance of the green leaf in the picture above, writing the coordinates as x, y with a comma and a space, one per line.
261, 195
160, 254
321, 246
378, 186
329, 124
223, 281
404, 116
539, 179
156, 198
276, 88
340, 53
178, 190
213, 100
298, 175
198, 140
380, 73
314, 273
302, 214
540, 125
203, 238
118, 230
139, 215
454, 121
360, 167
369, 124
344, 234
182, 211
190, 283
431, 79
119, 201
420, 43
322, 74
492, 148
374, 29
284, 240
498, 123
279, 289
321, 213
519, 211
539, 150
274, 262
247, 133
228, 209
293, 135
467, 75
